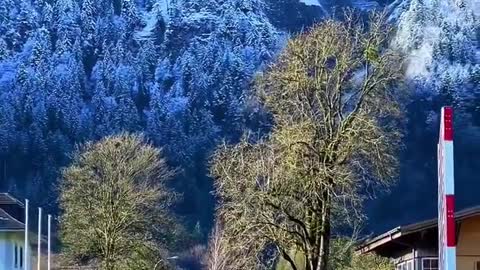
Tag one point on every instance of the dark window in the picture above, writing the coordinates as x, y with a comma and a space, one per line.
429, 264
21, 257
477, 266
15, 254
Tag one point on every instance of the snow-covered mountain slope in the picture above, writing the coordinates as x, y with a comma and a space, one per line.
442, 41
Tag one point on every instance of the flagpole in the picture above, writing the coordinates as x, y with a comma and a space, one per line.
49, 244
39, 236
26, 245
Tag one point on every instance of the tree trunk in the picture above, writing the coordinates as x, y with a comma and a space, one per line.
320, 231
311, 258
325, 234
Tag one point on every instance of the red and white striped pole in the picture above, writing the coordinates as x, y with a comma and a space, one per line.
446, 193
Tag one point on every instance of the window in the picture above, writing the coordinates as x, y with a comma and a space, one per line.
15, 256
477, 266
429, 264
407, 265
21, 257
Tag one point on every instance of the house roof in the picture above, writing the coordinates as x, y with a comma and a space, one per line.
6, 198
8, 223
372, 243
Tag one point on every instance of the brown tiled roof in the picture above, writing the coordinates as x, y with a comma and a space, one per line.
8, 223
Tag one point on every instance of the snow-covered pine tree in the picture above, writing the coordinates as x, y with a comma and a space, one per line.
67, 25
88, 19
42, 48
4, 51
72, 71
130, 14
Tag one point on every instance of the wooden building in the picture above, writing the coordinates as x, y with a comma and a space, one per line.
415, 246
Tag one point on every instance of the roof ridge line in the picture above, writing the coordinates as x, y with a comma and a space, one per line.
10, 216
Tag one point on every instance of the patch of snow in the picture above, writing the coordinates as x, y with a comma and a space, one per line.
311, 2
315, 3
419, 61
396, 8
150, 19
365, 5
146, 33
162, 6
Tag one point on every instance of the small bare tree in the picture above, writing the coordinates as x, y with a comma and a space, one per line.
332, 97
217, 258
115, 205
232, 252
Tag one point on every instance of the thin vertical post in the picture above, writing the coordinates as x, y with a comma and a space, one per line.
39, 236
26, 245
446, 193
49, 241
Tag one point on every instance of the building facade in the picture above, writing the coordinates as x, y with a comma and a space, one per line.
415, 246
12, 234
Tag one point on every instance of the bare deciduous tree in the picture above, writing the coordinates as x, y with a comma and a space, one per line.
115, 205
228, 251
217, 257
332, 97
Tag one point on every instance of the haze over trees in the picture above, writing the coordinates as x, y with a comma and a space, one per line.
333, 98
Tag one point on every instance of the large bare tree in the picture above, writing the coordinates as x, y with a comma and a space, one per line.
115, 205
333, 98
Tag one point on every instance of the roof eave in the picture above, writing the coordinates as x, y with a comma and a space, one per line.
379, 240
11, 230
13, 199
375, 242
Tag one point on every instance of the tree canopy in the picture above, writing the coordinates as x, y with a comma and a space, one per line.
115, 205
334, 103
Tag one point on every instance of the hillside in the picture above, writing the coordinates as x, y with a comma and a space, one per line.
441, 39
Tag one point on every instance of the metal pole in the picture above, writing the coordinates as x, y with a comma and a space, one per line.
49, 235
446, 193
26, 245
39, 236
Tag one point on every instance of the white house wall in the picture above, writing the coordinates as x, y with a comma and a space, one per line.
6, 252
7, 247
